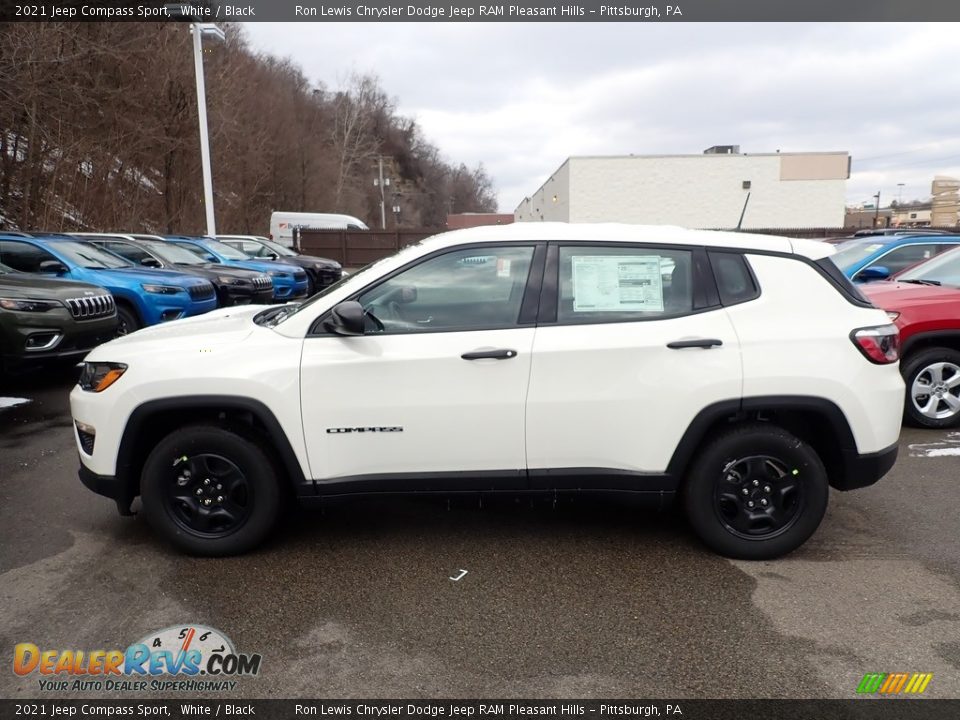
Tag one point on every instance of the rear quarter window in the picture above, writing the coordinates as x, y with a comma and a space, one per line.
735, 281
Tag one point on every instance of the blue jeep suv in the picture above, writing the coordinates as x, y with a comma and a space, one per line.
864, 259
144, 297
289, 281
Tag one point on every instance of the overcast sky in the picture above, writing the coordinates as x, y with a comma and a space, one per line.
522, 97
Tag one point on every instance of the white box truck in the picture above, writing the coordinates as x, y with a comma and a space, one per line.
282, 224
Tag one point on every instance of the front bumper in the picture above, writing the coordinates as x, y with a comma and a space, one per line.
863, 470
234, 295
287, 292
71, 340
109, 486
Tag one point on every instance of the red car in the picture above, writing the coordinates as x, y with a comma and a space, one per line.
924, 302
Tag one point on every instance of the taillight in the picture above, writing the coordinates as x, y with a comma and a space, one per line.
880, 344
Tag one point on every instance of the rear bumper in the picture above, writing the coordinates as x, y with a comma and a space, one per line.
863, 470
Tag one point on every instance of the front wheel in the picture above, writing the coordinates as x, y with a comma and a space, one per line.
932, 378
210, 491
756, 492
127, 320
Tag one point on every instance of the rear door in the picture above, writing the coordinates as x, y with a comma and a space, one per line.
631, 345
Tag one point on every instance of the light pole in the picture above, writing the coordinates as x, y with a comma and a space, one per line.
201, 30
876, 211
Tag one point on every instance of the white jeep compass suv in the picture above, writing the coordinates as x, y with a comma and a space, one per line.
742, 373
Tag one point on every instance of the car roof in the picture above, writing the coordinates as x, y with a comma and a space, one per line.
626, 233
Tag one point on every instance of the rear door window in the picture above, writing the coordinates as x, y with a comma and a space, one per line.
622, 283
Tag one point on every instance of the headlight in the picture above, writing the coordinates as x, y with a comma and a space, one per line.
228, 280
161, 289
29, 305
98, 376
278, 274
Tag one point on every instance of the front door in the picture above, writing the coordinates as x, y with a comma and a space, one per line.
433, 393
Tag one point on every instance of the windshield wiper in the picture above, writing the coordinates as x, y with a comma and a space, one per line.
922, 281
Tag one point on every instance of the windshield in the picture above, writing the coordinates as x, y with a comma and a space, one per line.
943, 269
176, 254
850, 253
91, 257
277, 248
225, 251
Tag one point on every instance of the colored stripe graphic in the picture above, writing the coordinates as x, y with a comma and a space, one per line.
871, 682
894, 683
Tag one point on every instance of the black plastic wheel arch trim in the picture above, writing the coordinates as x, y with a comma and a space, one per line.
857, 470
278, 438
950, 338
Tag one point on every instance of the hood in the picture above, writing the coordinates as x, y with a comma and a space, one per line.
897, 295
155, 277
309, 261
228, 270
265, 266
214, 329
25, 285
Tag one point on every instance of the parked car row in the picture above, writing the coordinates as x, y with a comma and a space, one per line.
117, 283
916, 279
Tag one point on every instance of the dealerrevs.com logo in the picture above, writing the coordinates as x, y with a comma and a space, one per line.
181, 657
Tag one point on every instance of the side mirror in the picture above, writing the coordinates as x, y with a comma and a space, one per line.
272, 256
150, 262
210, 258
874, 272
53, 266
345, 319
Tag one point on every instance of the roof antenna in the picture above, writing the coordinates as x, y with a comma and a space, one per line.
743, 212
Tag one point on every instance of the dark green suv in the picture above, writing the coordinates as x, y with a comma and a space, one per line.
46, 319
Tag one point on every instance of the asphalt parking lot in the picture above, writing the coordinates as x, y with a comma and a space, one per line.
582, 600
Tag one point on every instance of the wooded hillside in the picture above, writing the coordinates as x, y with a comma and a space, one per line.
98, 130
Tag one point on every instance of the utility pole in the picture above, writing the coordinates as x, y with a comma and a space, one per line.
876, 210
381, 182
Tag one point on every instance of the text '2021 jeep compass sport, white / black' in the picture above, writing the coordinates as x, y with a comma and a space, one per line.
741, 373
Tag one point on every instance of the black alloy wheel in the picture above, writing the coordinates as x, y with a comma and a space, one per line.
208, 495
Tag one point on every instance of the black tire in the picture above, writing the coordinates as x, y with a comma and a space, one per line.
311, 285
921, 368
128, 321
781, 519
209, 450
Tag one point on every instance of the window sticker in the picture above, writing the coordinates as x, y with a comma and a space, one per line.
503, 267
611, 283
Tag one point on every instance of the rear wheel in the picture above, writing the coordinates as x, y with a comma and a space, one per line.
756, 492
932, 378
210, 490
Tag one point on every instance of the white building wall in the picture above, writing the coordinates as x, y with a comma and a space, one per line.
695, 191
541, 206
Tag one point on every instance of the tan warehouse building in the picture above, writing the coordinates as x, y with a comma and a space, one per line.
787, 190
